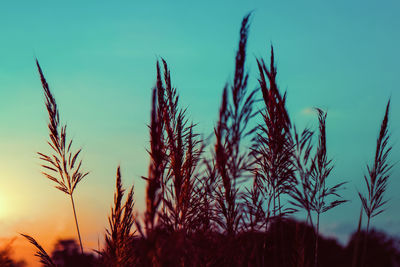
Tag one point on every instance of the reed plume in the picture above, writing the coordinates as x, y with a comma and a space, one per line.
378, 173
273, 146
312, 192
157, 157
272, 149
40, 253
231, 163
302, 194
377, 177
118, 248
183, 150
62, 162
321, 167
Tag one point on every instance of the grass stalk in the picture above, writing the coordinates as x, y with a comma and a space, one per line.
40, 253
231, 163
118, 239
313, 192
357, 243
316, 242
62, 166
76, 223
365, 243
377, 179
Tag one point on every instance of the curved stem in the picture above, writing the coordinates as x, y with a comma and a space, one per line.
76, 222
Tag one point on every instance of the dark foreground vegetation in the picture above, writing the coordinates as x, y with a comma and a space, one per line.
226, 201
243, 250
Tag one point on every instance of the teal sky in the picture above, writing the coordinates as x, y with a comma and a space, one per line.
99, 59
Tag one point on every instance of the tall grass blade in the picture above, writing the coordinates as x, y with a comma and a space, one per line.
62, 166
231, 164
118, 240
377, 177
40, 253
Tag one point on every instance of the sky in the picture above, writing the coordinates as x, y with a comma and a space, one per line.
99, 58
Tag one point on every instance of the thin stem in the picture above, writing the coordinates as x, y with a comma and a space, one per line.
309, 218
273, 192
275, 238
316, 242
365, 243
357, 243
76, 222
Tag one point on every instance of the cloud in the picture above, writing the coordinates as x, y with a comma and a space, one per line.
307, 111
338, 230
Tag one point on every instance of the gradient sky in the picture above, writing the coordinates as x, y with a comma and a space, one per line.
99, 59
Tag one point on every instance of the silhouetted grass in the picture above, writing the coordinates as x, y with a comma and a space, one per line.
118, 239
231, 207
377, 177
40, 253
321, 168
272, 151
62, 162
273, 146
230, 161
